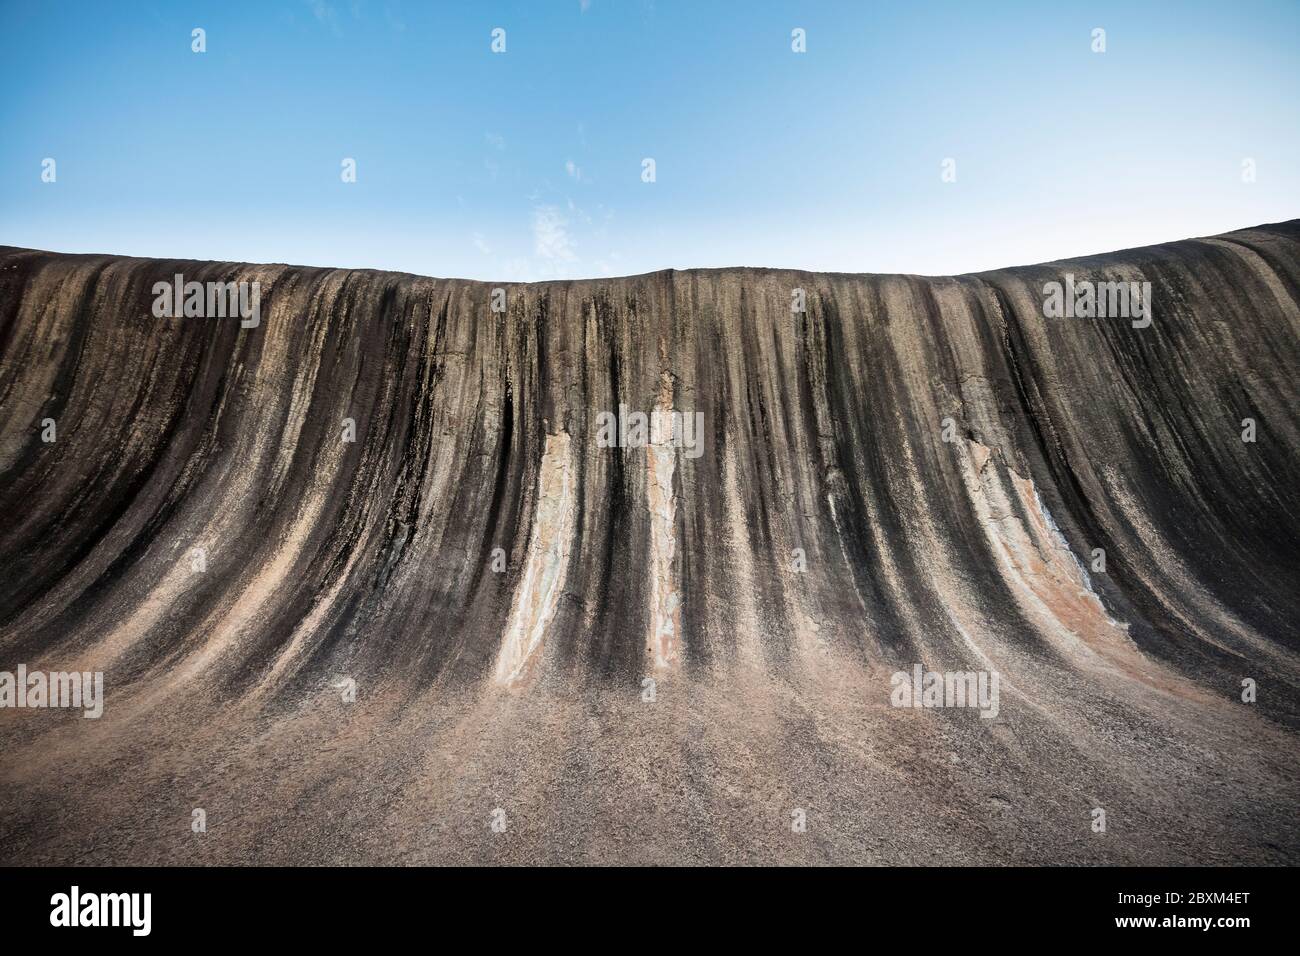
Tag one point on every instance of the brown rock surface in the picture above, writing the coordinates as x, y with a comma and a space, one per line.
821, 536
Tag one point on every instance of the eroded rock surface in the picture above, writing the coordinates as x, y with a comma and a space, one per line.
650, 652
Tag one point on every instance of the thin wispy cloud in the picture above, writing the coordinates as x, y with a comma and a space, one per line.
325, 15
551, 240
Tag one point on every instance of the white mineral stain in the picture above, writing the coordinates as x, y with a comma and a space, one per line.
661, 463
549, 546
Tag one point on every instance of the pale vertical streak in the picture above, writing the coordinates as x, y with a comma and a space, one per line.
538, 595
661, 462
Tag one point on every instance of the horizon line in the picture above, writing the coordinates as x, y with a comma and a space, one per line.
655, 272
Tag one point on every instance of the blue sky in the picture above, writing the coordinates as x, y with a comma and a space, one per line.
527, 164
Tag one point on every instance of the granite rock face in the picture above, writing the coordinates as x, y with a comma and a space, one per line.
637, 561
